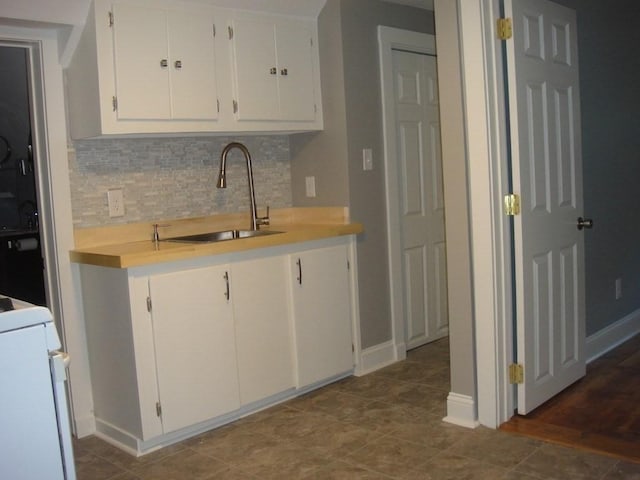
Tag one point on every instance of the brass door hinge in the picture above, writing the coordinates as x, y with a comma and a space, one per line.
114, 103
512, 204
158, 409
111, 19
149, 306
230, 30
516, 373
505, 29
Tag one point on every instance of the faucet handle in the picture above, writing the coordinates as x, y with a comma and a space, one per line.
156, 236
263, 220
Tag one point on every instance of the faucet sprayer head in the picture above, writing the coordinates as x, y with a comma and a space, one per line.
222, 179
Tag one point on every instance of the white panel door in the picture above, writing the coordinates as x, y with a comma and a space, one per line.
140, 45
195, 345
547, 171
192, 64
421, 203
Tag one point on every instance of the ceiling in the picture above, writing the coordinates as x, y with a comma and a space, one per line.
74, 12
426, 4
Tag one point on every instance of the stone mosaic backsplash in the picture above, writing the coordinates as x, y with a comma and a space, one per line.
164, 178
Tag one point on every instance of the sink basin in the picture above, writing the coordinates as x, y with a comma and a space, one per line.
220, 236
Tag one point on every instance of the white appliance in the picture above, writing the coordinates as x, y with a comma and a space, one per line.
35, 443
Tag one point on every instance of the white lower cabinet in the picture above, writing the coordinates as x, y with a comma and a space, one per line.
263, 328
181, 347
193, 334
322, 313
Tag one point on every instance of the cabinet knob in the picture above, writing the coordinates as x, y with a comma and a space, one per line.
164, 63
273, 71
284, 72
178, 64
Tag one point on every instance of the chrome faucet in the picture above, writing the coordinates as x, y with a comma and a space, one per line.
222, 182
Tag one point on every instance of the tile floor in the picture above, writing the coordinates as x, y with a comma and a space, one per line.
386, 425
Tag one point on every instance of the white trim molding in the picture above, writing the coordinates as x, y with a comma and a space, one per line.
486, 147
461, 410
613, 335
377, 357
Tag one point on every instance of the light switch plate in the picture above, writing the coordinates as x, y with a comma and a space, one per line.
115, 200
310, 184
367, 159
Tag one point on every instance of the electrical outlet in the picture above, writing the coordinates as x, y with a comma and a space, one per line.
115, 200
618, 288
310, 184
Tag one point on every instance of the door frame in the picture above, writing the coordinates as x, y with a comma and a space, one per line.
484, 110
422, 43
50, 138
485, 331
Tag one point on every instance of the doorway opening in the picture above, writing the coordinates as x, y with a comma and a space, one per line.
21, 256
414, 188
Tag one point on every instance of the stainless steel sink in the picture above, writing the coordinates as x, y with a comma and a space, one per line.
211, 237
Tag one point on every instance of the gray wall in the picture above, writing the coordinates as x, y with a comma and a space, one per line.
324, 155
608, 35
347, 132
165, 178
456, 199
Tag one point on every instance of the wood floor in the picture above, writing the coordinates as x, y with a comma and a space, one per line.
600, 413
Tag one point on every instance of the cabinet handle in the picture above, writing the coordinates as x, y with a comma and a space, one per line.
284, 72
226, 280
299, 263
178, 64
273, 71
164, 63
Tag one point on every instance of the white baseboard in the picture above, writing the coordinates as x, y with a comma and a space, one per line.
376, 357
610, 337
84, 426
461, 410
117, 437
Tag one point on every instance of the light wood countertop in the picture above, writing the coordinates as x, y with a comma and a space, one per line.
131, 245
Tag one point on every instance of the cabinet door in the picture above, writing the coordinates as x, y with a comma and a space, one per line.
295, 70
195, 346
255, 68
140, 45
192, 64
322, 314
263, 329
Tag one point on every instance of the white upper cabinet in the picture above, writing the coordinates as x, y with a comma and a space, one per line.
155, 67
274, 68
165, 64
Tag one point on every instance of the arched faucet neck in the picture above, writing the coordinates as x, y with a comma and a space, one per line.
222, 182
